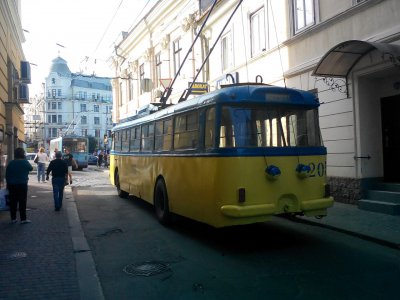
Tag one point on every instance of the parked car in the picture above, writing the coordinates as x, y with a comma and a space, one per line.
92, 160
30, 157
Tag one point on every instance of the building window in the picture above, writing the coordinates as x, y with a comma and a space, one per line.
83, 107
53, 93
53, 118
54, 132
131, 88
84, 132
177, 55
59, 104
84, 95
303, 14
96, 120
95, 108
141, 77
97, 133
53, 105
59, 92
59, 119
158, 69
120, 94
53, 80
83, 120
257, 32
226, 51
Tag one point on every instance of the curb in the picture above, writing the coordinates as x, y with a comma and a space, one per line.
88, 280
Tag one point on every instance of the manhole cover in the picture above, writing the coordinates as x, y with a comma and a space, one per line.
148, 268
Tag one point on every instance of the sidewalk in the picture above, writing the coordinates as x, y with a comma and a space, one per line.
48, 258
377, 227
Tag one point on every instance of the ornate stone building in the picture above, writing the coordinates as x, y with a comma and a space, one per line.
346, 51
75, 103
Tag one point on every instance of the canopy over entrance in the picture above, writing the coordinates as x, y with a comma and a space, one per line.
340, 60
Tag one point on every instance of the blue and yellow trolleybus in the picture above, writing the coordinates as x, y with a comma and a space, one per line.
238, 155
77, 145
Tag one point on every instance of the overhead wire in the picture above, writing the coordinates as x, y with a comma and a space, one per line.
107, 28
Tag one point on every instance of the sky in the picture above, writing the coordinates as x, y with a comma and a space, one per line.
82, 32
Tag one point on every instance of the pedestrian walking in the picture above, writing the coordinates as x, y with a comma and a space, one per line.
17, 184
42, 158
68, 158
59, 170
53, 155
100, 159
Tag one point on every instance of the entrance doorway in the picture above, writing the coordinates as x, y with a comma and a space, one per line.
390, 108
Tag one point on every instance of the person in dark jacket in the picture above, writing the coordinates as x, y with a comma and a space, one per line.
59, 170
17, 184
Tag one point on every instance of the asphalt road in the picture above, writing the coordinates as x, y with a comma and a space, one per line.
138, 258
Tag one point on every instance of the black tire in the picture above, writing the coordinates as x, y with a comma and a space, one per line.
161, 205
120, 192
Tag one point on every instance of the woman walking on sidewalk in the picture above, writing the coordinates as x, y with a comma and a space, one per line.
41, 169
59, 170
17, 184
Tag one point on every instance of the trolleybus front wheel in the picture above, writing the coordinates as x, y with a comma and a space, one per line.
161, 205
120, 192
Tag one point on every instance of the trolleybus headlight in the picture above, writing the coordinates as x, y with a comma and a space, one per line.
303, 171
273, 172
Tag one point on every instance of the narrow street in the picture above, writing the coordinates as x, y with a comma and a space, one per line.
138, 258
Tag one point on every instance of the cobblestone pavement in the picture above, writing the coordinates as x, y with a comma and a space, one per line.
37, 259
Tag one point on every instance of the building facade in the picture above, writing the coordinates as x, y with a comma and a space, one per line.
346, 51
76, 104
14, 77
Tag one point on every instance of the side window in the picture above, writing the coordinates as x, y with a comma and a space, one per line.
209, 135
163, 135
117, 142
186, 135
147, 137
125, 141
135, 139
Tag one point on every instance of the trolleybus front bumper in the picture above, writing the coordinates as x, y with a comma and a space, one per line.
314, 207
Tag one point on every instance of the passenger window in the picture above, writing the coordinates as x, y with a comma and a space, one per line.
125, 141
135, 139
163, 135
147, 137
186, 133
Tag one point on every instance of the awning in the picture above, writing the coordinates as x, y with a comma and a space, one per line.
340, 60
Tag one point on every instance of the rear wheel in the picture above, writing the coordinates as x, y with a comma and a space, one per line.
161, 205
120, 192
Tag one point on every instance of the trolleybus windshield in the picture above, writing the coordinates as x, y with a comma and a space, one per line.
269, 127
